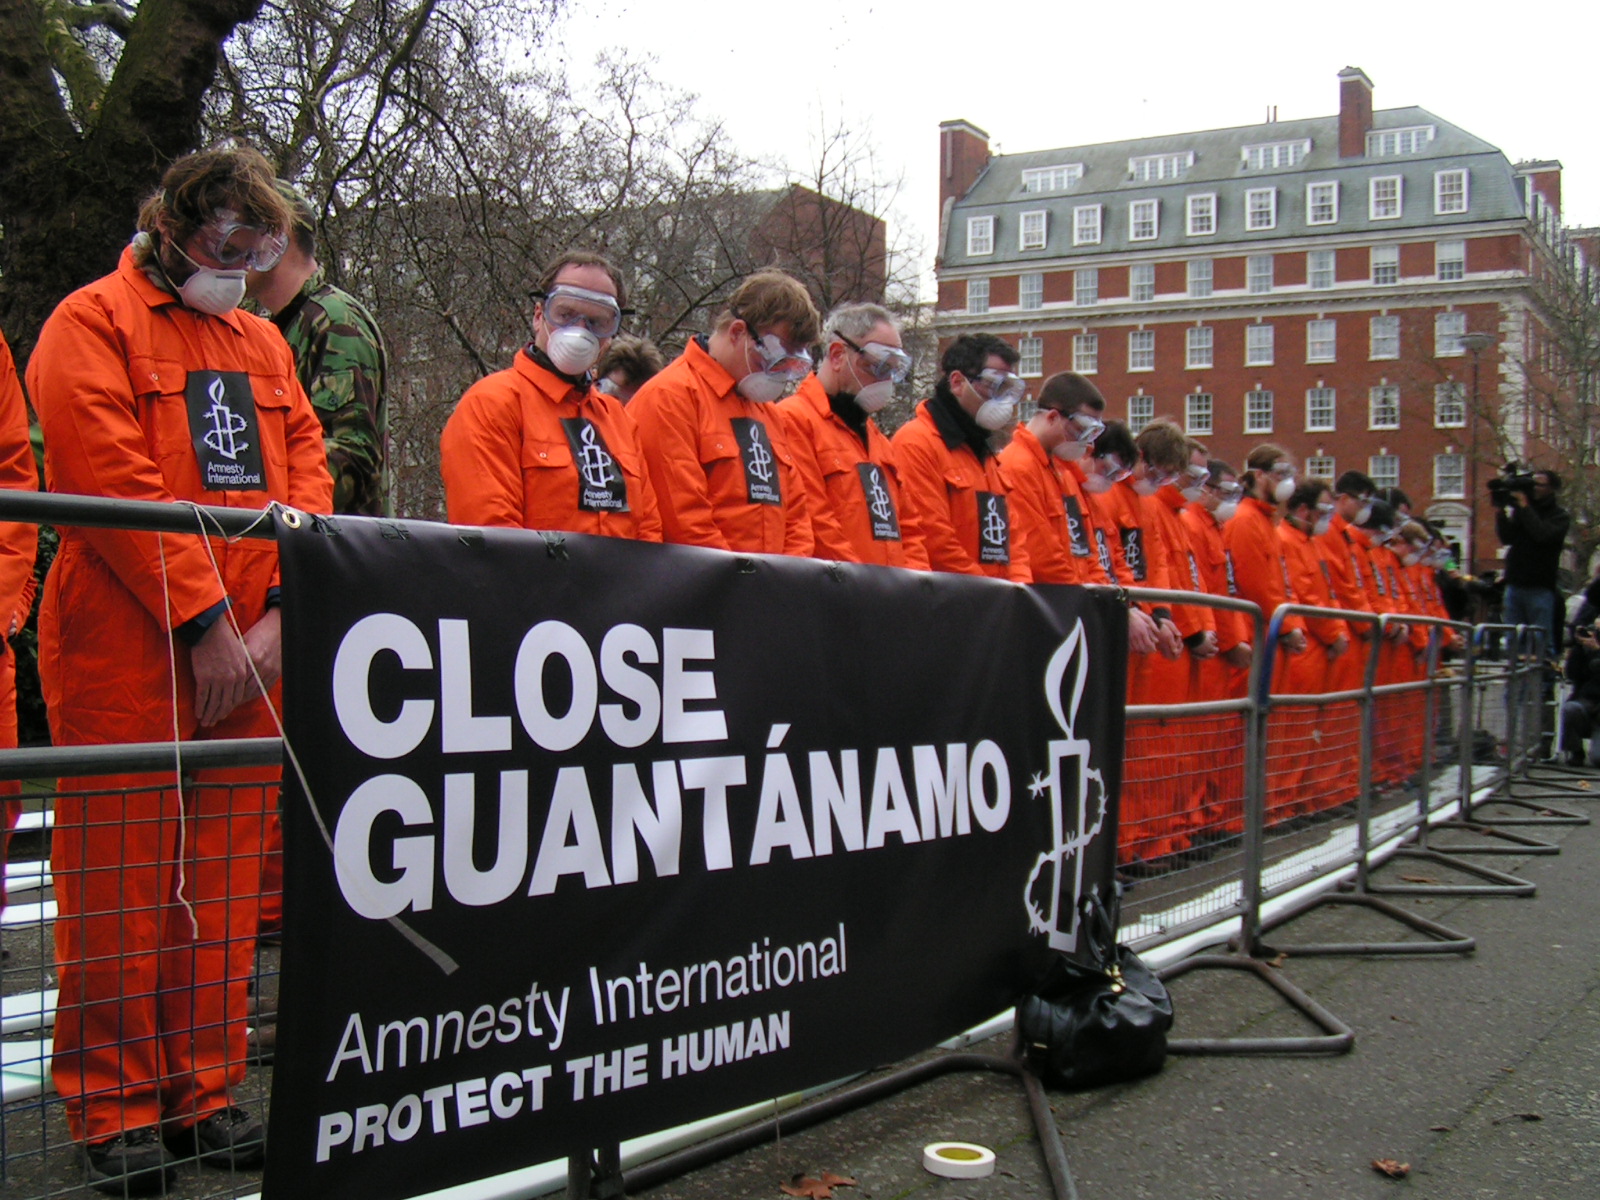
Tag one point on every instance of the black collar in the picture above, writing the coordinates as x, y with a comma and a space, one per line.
955, 425
847, 410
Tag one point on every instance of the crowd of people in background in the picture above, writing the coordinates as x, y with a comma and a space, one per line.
760, 437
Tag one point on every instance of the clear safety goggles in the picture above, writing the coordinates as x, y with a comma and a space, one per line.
1325, 509
1228, 489
885, 362
1112, 470
566, 305
1282, 470
233, 243
778, 359
1001, 385
1085, 428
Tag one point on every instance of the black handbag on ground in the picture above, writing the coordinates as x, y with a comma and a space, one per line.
1087, 1026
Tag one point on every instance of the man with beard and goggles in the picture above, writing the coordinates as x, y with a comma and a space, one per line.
537, 445
717, 449
949, 476
151, 385
848, 467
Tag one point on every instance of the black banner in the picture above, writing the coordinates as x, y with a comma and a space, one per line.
603, 837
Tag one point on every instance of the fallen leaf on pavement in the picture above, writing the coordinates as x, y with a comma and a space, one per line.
832, 1180
1441, 1128
1516, 1117
1419, 879
804, 1185
1391, 1167
1279, 961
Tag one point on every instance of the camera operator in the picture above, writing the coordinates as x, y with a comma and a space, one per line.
1580, 710
1533, 528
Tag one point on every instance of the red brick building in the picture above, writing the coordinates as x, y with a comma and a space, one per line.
1305, 282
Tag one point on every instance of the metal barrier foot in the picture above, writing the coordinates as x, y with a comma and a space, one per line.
1543, 813
1442, 939
1507, 841
1338, 1037
813, 1112
1570, 787
1495, 883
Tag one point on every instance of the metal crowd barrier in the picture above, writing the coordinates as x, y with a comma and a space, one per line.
1225, 851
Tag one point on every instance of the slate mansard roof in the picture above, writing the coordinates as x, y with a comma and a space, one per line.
1494, 190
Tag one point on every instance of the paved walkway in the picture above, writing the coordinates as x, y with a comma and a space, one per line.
1480, 1072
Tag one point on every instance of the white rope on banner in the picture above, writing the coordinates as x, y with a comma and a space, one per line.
177, 738
437, 956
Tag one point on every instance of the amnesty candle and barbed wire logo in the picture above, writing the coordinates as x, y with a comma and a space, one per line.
226, 430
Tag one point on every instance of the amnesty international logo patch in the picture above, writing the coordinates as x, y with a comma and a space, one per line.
601, 486
226, 431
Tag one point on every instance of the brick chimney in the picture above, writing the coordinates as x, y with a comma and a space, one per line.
1355, 112
963, 153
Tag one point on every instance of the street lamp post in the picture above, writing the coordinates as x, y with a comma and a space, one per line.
1475, 344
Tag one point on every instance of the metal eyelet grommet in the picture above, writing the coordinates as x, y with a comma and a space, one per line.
291, 518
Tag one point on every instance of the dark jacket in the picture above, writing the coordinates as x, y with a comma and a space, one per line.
1583, 672
1534, 534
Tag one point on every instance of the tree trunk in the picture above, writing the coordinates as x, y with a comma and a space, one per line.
69, 196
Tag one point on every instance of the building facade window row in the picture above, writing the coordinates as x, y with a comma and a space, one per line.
1260, 341
1321, 407
1202, 211
1383, 270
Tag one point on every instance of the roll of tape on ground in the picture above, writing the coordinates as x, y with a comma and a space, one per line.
958, 1160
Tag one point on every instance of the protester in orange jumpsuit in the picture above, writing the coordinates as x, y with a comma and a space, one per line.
1051, 516
1308, 515
19, 541
950, 478
716, 449
849, 470
1163, 802
1221, 677
1262, 577
538, 446
150, 385
1348, 570
1394, 652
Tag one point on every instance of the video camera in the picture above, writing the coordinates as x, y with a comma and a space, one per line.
1513, 477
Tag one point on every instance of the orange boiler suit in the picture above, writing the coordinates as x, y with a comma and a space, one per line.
1387, 755
1214, 679
1307, 674
1262, 577
959, 493
157, 884
1413, 705
526, 449
1052, 518
1348, 571
1172, 744
720, 464
19, 542
852, 483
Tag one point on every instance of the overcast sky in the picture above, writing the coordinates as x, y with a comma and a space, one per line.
1036, 76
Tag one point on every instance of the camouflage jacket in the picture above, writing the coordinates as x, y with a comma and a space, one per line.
339, 356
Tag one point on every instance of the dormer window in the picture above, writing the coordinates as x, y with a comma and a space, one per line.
1051, 179
1383, 143
1149, 168
1267, 155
